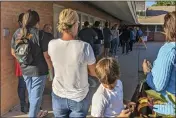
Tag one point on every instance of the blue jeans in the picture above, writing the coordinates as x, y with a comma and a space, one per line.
114, 44
35, 87
21, 91
65, 108
97, 49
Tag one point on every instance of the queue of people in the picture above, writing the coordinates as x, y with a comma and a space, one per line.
76, 59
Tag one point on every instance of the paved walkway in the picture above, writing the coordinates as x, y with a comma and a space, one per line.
129, 66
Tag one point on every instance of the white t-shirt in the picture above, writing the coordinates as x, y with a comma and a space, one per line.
108, 103
70, 60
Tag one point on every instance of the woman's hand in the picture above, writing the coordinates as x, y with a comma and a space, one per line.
146, 66
124, 113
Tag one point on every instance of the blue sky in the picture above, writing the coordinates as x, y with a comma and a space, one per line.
150, 3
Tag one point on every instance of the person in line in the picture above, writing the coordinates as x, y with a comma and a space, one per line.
139, 34
162, 77
107, 39
75, 60
48, 29
18, 73
97, 43
88, 34
135, 33
132, 38
34, 71
120, 36
108, 99
115, 39
125, 37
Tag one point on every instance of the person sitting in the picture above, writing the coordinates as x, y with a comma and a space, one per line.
162, 77
108, 99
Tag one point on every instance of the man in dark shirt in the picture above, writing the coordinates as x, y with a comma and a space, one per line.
48, 29
107, 39
97, 43
88, 34
125, 38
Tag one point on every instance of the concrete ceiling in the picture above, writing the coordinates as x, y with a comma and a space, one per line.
118, 9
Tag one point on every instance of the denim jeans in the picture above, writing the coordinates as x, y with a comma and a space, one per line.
21, 91
35, 87
114, 44
65, 108
97, 49
125, 44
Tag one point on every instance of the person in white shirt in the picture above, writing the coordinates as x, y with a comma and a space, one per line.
108, 99
115, 39
72, 60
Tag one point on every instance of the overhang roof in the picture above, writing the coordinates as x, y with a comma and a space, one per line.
119, 9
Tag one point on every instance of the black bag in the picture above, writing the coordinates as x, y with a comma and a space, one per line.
23, 49
140, 93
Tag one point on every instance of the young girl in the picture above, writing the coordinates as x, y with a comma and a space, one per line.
108, 99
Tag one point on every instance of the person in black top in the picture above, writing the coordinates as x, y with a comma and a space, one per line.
97, 43
125, 38
88, 34
107, 39
35, 74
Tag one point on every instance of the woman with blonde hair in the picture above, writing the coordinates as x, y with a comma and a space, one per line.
72, 60
162, 77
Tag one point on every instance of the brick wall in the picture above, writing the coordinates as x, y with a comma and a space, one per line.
9, 17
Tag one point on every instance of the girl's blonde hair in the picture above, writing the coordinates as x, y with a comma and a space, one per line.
170, 26
67, 19
107, 70
30, 19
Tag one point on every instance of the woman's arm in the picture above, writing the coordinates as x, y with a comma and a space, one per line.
159, 77
13, 53
91, 69
50, 65
48, 60
90, 60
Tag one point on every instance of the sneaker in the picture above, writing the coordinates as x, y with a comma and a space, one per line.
24, 109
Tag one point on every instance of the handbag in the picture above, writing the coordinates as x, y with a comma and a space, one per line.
141, 110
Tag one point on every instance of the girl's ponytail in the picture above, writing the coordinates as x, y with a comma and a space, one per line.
24, 30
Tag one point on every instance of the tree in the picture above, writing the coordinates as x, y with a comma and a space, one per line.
165, 3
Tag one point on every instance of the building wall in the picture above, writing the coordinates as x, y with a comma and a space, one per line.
9, 17
153, 34
158, 36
